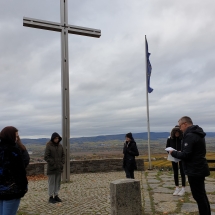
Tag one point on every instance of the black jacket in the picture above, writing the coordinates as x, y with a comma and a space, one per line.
174, 143
193, 152
25, 156
13, 181
130, 151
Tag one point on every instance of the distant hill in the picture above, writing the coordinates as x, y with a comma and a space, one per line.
103, 138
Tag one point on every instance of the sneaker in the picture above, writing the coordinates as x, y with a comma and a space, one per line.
177, 190
57, 199
52, 200
182, 192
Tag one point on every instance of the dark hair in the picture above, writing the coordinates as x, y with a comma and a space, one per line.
8, 135
174, 130
129, 135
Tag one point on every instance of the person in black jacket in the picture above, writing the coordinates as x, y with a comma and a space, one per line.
174, 141
130, 151
194, 162
13, 181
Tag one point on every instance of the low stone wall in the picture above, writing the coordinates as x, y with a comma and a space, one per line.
83, 166
36, 168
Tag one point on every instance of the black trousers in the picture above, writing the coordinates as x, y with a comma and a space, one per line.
197, 186
129, 173
175, 170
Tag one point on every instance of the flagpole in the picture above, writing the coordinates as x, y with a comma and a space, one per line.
147, 104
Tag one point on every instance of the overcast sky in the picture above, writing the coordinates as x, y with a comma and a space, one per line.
107, 74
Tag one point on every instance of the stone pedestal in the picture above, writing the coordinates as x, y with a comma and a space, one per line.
125, 197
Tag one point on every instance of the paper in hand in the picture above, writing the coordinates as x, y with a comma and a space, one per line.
170, 149
170, 157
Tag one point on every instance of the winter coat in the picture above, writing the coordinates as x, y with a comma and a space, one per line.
130, 151
174, 143
54, 156
25, 156
193, 152
13, 180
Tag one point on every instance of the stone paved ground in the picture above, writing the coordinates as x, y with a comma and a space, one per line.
88, 194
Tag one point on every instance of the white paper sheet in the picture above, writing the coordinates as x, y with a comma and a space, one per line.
170, 149
170, 157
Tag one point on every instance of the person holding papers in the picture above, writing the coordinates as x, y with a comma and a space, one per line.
194, 162
174, 141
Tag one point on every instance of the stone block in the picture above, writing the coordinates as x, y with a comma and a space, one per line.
125, 197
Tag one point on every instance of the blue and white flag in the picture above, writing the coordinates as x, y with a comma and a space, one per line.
149, 68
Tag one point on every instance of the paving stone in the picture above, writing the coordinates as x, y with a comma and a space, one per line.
153, 181
169, 184
165, 207
210, 187
211, 198
154, 173
166, 178
163, 197
151, 177
210, 179
153, 185
162, 190
189, 207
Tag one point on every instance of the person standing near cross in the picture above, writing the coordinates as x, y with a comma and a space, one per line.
65, 29
55, 158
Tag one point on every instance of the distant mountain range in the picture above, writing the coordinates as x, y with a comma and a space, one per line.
103, 138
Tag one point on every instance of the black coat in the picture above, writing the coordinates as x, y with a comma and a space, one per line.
13, 181
130, 151
25, 156
193, 152
175, 143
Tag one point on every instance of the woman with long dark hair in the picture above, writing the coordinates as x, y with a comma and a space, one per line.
13, 181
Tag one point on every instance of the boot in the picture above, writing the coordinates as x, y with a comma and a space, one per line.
57, 199
52, 200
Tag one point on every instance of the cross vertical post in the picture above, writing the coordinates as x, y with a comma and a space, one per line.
65, 89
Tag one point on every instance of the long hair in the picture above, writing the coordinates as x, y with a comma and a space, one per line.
8, 135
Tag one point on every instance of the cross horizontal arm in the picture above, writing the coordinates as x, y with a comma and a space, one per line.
41, 24
90, 32
54, 26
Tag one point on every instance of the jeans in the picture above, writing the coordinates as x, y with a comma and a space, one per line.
175, 170
9, 207
197, 186
129, 174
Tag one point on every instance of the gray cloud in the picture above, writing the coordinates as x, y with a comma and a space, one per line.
107, 75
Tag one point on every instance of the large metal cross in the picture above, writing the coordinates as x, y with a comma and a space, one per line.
65, 29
